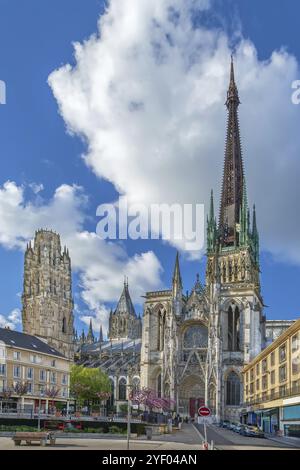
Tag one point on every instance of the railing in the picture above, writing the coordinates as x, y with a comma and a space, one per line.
79, 416
288, 392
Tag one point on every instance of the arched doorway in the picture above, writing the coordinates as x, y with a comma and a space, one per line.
191, 395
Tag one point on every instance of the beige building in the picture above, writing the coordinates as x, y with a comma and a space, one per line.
33, 375
272, 385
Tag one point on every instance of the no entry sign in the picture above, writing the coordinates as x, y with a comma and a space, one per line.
204, 411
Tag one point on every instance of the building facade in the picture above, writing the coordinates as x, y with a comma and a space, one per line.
275, 328
47, 292
195, 346
33, 375
272, 385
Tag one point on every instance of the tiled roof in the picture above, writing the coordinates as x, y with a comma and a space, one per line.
22, 340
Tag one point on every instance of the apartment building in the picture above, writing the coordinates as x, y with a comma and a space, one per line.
272, 386
33, 375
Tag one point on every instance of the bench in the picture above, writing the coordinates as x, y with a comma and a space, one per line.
30, 437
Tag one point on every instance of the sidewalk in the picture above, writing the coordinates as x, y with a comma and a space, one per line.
289, 441
188, 434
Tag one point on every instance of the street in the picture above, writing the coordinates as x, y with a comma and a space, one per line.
225, 439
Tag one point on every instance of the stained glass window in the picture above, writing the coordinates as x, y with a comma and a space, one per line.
196, 337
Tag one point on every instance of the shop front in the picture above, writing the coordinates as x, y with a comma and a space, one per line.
270, 420
290, 422
8, 404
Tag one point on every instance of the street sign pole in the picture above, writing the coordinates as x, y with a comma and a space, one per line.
205, 432
204, 411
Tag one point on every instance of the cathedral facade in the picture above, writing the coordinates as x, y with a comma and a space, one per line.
195, 346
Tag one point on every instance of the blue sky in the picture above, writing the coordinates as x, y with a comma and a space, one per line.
36, 39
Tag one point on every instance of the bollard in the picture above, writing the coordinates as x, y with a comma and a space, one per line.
205, 445
212, 445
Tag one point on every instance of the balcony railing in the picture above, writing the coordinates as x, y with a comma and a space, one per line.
288, 392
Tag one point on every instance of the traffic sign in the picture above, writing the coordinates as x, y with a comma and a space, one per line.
204, 411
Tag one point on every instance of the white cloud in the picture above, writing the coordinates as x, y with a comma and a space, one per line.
12, 320
101, 265
36, 187
147, 94
99, 318
19, 219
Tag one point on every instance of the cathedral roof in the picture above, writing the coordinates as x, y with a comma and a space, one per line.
115, 346
115, 355
125, 304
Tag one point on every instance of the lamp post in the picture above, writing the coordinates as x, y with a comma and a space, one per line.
41, 394
39, 413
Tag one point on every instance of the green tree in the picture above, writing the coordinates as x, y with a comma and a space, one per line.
89, 384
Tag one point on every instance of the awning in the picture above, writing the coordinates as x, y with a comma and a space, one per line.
268, 411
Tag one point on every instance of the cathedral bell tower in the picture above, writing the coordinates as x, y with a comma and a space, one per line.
232, 274
47, 292
124, 323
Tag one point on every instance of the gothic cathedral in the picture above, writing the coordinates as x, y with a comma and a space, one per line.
195, 346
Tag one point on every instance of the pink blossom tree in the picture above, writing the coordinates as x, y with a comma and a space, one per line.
149, 399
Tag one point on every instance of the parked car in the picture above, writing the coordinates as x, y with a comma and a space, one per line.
232, 426
235, 427
242, 429
252, 431
226, 424
238, 428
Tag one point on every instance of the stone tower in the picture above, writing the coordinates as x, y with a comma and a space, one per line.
47, 292
232, 274
123, 322
195, 345
90, 339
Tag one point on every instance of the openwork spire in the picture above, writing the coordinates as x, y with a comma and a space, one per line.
211, 226
90, 335
177, 282
101, 334
233, 175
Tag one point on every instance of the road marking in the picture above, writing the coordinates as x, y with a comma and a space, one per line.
201, 437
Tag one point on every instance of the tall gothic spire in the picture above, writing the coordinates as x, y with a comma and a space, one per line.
125, 304
101, 334
211, 226
177, 282
90, 336
233, 175
255, 237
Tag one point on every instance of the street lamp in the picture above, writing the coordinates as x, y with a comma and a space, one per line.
41, 394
